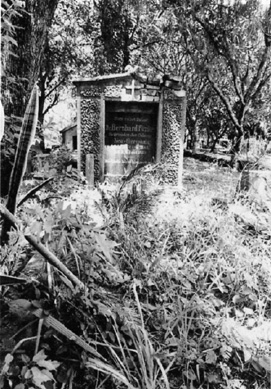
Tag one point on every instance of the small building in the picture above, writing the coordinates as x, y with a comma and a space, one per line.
69, 136
125, 121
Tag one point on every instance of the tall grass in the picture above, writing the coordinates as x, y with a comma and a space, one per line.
197, 261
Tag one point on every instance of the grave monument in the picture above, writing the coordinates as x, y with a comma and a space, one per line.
125, 121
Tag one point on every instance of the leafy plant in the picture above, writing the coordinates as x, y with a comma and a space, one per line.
163, 293
9, 12
37, 371
8, 150
27, 134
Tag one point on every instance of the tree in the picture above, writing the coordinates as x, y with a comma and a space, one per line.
86, 40
223, 45
68, 51
117, 26
166, 49
160, 42
28, 23
231, 47
30, 34
9, 12
198, 94
89, 40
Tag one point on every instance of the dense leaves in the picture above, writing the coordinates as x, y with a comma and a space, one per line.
220, 50
224, 47
234, 54
175, 293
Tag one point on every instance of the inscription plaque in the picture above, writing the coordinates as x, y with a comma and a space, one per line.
130, 136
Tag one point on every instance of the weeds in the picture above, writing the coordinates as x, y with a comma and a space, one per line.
171, 290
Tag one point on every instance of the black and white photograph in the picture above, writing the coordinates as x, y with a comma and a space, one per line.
135, 194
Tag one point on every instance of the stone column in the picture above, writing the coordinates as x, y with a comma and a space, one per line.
173, 130
90, 109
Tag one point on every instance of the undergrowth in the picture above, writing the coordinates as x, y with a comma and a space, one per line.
176, 291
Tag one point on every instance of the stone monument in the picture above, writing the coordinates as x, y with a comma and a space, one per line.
125, 121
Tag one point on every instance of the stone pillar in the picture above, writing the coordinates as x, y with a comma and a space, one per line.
89, 139
173, 130
90, 169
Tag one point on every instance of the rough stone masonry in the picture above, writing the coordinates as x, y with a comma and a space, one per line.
135, 93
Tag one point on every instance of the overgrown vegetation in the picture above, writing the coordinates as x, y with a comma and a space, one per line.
175, 288
136, 285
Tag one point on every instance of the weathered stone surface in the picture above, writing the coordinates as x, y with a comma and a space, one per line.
90, 133
92, 91
96, 92
113, 91
171, 138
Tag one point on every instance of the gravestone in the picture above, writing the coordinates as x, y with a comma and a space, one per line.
130, 136
126, 121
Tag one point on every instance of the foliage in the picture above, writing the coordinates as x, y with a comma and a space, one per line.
22, 70
68, 51
165, 38
234, 38
86, 40
8, 148
20, 75
27, 135
170, 290
116, 24
59, 160
37, 371
221, 52
9, 12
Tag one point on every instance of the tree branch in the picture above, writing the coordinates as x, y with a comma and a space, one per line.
225, 101
234, 70
147, 44
33, 191
227, 55
259, 75
261, 85
50, 257
50, 105
55, 87
245, 76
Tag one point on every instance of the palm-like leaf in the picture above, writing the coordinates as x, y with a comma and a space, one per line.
26, 137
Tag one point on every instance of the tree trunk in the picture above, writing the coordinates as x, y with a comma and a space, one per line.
195, 139
41, 97
214, 143
31, 34
238, 140
236, 147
